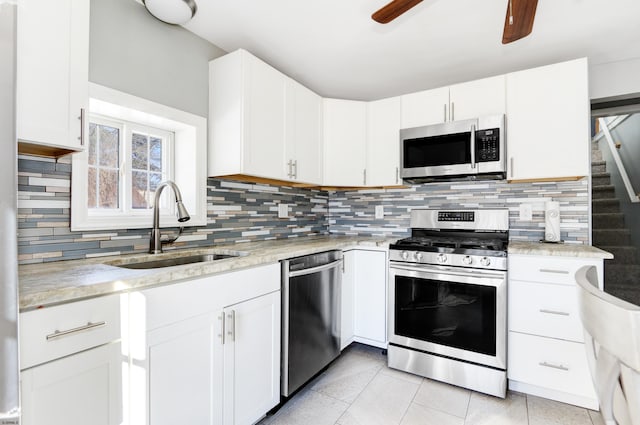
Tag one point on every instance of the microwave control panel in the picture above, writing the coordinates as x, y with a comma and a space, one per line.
488, 145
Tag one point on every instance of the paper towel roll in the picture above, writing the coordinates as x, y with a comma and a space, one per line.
552, 221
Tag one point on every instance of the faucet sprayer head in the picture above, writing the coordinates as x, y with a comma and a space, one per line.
182, 213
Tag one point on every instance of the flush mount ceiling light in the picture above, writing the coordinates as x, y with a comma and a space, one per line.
176, 12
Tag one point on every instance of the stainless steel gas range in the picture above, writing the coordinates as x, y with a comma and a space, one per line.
448, 300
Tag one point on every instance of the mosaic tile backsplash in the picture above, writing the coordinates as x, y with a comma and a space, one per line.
353, 212
238, 212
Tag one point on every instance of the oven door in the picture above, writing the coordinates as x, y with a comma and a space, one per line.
449, 312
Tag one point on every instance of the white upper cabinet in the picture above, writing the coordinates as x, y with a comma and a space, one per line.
548, 122
345, 139
247, 117
425, 107
52, 75
262, 123
383, 142
304, 134
458, 102
477, 98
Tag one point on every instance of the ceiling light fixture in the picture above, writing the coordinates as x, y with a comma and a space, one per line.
175, 12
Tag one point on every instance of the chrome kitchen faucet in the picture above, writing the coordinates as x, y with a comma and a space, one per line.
155, 242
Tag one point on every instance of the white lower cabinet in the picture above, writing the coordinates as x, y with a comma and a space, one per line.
364, 306
207, 351
347, 310
180, 367
546, 352
81, 389
72, 364
251, 359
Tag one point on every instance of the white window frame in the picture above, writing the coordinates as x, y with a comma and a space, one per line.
125, 193
188, 170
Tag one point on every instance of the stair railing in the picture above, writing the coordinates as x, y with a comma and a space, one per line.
606, 133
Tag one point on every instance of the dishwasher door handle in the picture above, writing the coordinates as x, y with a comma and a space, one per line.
316, 269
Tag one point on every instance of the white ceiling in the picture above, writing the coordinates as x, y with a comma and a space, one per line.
337, 50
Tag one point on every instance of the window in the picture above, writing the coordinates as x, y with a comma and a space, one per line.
126, 163
133, 145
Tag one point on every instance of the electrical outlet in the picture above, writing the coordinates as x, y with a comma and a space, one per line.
526, 212
283, 211
379, 212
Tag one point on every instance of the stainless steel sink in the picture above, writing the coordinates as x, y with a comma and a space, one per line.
176, 261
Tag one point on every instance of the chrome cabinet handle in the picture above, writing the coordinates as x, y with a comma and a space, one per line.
397, 174
453, 112
445, 112
556, 312
87, 327
473, 145
221, 334
511, 166
231, 325
290, 165
554, 271
81, 118
295, 169
554, 366
364, 176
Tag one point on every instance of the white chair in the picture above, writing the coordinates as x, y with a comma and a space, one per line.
612, 338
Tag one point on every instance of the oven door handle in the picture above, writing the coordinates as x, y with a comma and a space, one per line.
477, 273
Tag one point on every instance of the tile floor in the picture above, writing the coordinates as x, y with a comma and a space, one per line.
359, 389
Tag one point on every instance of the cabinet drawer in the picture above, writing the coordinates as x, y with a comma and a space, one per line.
544, 309
549, 363
55, 332
558, 270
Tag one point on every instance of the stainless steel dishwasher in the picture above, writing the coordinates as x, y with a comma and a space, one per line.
311, 287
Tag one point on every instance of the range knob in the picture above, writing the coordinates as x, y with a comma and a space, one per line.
467, 260
485, 261
418, 256
441, 258
404, 255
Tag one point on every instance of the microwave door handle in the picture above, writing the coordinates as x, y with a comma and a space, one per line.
473, 146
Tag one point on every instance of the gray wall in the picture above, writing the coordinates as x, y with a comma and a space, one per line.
133, 52
614, 79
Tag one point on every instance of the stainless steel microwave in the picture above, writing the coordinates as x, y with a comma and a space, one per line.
466, 149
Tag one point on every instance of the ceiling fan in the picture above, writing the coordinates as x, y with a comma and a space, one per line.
517, 24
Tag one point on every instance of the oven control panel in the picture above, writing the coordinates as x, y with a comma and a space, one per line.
487, 262
456, 216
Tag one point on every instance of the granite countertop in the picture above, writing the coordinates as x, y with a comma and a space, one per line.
59, 282
557, 249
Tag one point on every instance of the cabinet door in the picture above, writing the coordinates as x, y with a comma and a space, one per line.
304, 134
383, 142
425, 107
348, 300
477, 98
548, 122
345, 130
264, 127
370, 321
52, 71
251, 359
180, 374
84, 388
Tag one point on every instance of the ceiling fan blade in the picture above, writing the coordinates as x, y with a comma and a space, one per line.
392, 10
522, 13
